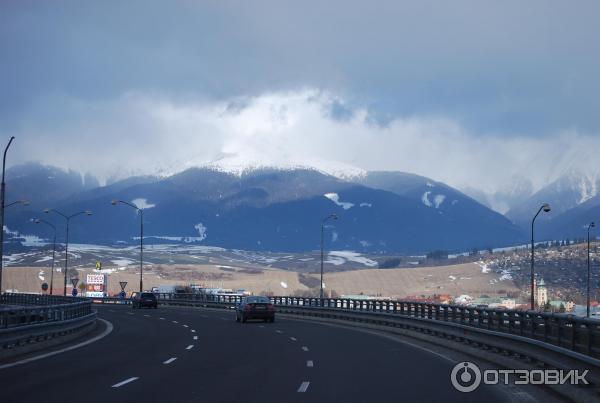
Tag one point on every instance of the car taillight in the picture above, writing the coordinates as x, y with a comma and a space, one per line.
271, 307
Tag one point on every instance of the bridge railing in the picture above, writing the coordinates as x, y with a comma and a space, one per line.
30, 309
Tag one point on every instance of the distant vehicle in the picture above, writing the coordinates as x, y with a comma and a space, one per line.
144, 299
255, 308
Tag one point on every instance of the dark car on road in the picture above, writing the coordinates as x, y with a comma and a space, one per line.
144, 299
255, 308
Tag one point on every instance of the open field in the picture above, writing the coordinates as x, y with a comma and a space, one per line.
397, 283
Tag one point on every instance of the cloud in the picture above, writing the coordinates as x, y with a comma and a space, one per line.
148, 134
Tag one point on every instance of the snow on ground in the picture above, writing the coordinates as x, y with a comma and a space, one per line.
338, 257
334, 197
484, 267
142, 203
122, 262
438, 200
44, 259
41, 275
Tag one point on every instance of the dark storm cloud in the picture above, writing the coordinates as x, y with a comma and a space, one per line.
525, 68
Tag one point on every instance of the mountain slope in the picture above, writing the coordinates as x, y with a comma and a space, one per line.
281, 209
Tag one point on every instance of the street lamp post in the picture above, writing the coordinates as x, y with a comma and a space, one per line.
2, 194
141, 211
335, 217
40, 221
591, 225
68, 219
546, 208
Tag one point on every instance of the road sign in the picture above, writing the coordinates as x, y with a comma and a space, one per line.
122, 284
74, 281
44, 286
99, 265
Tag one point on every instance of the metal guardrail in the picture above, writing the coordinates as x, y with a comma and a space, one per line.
35, 309
581, 335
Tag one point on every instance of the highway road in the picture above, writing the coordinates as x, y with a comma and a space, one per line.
191, 355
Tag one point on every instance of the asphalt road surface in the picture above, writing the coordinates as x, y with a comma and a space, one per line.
192, 355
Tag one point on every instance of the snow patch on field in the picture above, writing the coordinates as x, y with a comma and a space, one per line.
338, 257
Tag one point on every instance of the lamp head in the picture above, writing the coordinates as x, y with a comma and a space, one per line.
546, 207
114, 202
88, 212
592, 225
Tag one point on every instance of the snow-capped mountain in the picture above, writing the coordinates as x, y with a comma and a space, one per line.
503, 197
567, 192
272, 208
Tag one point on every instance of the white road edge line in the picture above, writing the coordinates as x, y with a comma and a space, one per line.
310, 364
191, 346
293, 339
109, 328
279, 331
161, 318
185, 326
304, 348
195, 337
303, 387
126, 381
175, 321
193, 331
170, 360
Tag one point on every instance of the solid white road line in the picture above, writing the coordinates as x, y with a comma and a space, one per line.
109, 328
185, 326
170, 360
161, 318
279, 331
293, 339
191, 346
174, 321
310, 364
147, 316
303, 387
195, 337
126, 381
304, 348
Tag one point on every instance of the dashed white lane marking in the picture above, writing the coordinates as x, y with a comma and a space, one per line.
147, 316
261, 326
170, 360
126, 381
185, 326
304, 348
279, 331
195, 337
193, 331
174, 321
293, 339
161, 318
303, 387
310, 364
191, 346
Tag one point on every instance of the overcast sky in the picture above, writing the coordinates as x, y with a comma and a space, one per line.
467, 92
